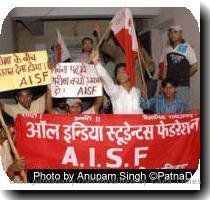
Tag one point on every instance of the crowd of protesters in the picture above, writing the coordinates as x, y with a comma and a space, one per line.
178, 61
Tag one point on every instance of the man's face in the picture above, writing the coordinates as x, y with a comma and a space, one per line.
24, 97
75, 109
87, 46
169, 90
174, 35
62, 105
122, 76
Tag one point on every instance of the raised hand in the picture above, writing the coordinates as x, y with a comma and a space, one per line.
96, 28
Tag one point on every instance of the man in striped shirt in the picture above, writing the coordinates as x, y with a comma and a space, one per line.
168, 102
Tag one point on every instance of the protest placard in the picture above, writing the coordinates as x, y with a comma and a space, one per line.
23, 70
75, 80
107, 141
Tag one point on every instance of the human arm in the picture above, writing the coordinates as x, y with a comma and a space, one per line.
45, 101
98, 103
193, 69
48, 100
107, 80
16, 166
191, 57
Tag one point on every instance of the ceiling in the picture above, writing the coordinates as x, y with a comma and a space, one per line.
33, 18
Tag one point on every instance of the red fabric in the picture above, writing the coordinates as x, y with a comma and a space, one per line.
58, 53
125, 41
177, 149
161, 70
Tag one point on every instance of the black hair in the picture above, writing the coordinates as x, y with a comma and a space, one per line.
120, 65
18, 91
168, 80
87, 38
8, 120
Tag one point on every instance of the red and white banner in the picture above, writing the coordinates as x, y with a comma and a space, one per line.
62, 50
124, 31
50, 141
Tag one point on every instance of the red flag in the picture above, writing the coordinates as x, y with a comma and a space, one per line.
123, 28
62, 50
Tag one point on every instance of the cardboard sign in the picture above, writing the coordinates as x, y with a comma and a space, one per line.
75, 80
23, 70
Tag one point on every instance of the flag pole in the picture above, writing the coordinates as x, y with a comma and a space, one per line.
102, 38
104, 35
141, 70
143, 61
142, 75
12, 145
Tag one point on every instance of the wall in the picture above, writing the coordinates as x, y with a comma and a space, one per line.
7, 45
71, 31
7, 35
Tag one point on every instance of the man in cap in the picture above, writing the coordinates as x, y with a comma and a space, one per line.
74, 106
179, 62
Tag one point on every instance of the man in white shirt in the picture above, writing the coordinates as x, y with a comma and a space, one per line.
26, 104
124, 97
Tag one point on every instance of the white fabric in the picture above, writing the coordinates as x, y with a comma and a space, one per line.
124, 20
188, 52
72, 101
177, 28
123, 102
64, 50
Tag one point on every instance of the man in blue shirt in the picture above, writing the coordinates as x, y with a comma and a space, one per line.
168, 102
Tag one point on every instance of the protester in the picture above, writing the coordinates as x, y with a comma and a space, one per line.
87, 47
124, 97
10, 165
166, 103
60, 106
180, 62
75, 106
26, 104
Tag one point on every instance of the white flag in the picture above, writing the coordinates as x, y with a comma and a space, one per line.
62, 50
